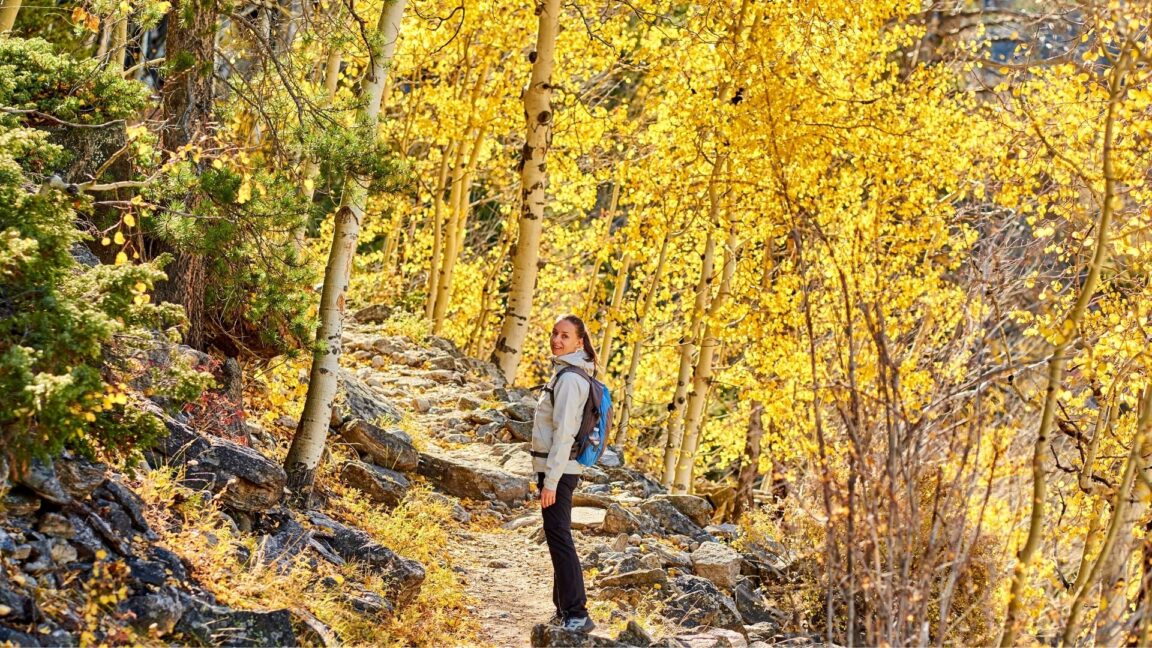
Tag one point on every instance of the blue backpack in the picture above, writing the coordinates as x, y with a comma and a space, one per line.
592, 437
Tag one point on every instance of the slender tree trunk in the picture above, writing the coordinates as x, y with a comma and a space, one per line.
605, 350
8, 11
533, 192
637, 347
438, 230
312, 433
687, 347
750, 464
702, 377
188, 94
1068, 334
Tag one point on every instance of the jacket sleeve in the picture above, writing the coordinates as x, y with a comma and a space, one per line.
571, 392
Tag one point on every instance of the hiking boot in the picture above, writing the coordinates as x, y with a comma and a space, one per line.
578, 624
556, 620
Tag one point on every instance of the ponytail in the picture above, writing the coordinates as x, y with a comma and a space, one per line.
589, 351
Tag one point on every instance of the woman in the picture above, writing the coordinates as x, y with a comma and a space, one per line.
554, 429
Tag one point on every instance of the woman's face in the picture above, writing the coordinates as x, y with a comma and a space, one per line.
565, 338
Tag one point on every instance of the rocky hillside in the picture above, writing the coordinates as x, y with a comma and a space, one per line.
195, 546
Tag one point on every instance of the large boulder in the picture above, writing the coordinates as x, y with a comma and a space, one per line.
241, 477
386, 487
353, 545
384, 448
464, 479
360, 401
700, 603
214, 625
671, 520
584, 517
718, 563
697, 509
78, 476
618, 519
753, 609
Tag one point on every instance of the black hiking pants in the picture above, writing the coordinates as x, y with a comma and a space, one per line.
568, 578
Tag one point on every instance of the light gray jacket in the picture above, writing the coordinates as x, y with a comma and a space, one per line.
554, 428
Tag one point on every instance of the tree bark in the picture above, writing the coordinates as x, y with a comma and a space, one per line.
702, 377
437, 230
621, 435
308, 443
119, 49
8, 11
687, 347
533, 192
188, 93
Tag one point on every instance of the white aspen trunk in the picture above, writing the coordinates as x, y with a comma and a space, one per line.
702, 377
687, 347
458, 222
8, 11
605, 350
533, 192
448, 244
308, 443
437, 230
634, 362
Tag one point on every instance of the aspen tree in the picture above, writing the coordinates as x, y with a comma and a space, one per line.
308, 443
605, 349
702, 376
8, 11
687, 348
533, 194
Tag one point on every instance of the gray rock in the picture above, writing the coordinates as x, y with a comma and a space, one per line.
353, 545
673, 558
443, 363
519, 463
634, 634
584, 517
597, 500
370, 603
359, 401
698, 509
611, 458
384, 447
386, 487
634, 481
767, 632
56, 525
718, 563
710, 638
702, 604
670, 520
638, 578
158, 612
19, 502
617, 520
373, 314
241, 477
80, 477
463, 479
40, 478
520, 412
17, 638
767, 560
216, 625
131, 503
549, 635
750, 603
520, 430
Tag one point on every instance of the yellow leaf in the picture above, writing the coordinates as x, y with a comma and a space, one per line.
118, 237
121, 258
129, 220
105, 241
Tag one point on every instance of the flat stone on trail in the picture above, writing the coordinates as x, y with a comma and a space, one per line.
464, 479
584, 517
385, 448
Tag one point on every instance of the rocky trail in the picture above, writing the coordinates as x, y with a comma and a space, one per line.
408, 413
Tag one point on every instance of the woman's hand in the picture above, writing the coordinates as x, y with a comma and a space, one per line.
547, 497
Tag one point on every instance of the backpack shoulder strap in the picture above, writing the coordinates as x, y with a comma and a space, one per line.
563, 370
